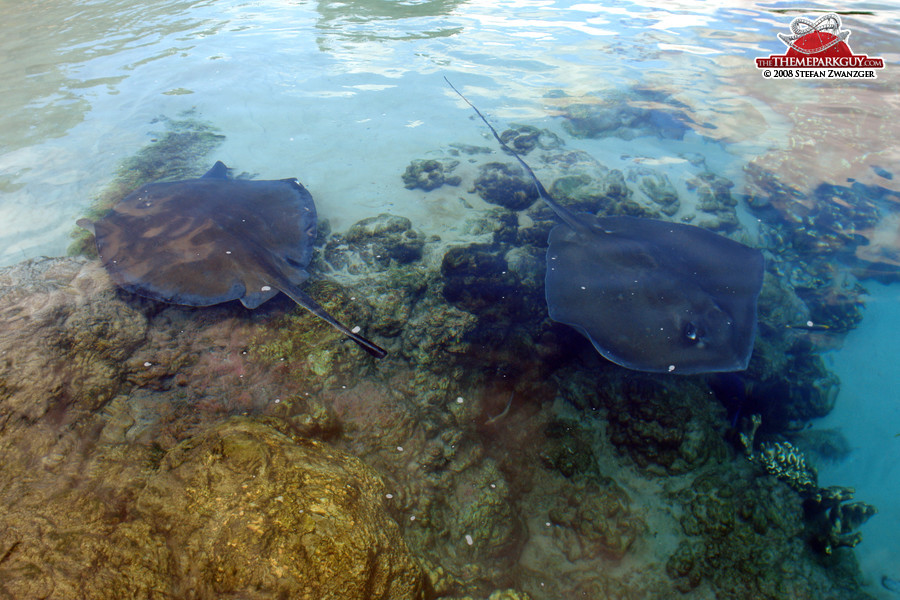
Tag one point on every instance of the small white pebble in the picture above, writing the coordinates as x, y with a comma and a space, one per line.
148, 364
353, 297
459, 399
671, 368
228, 252
388, 496
547, 523
279, 498
469, 540
277, 400
399, 448
356, 329
265, 288
493, 485
412, 518
809, 323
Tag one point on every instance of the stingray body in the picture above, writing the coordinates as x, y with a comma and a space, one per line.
651, 295
204, 241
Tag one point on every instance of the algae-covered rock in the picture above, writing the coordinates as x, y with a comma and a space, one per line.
714, 198
246, 508
594, 519
241, 510
385, 238
597, 190
506, 185
65, 336
745, 538
525, 138
430, 174
667, 426
477, 277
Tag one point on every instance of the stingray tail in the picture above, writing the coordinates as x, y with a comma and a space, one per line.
563, 213
301, 298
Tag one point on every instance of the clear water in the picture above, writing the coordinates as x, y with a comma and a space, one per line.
343, 95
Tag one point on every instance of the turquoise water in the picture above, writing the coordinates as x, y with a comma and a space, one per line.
344, 95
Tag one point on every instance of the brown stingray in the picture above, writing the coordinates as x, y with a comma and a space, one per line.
651, 295
199, 242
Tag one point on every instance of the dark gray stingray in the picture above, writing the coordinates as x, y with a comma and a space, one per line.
204, 241
651, 295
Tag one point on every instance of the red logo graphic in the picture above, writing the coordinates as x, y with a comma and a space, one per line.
818, 49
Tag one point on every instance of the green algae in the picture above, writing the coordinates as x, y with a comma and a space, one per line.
304, 343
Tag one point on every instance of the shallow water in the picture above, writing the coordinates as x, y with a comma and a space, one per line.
344, 95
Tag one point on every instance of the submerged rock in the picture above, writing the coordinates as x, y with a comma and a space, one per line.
505, 185
746, 540
246, 507
525, 138
385, 239
615, 117
241, 510
430, 174
657, 188
65, 337
595, 519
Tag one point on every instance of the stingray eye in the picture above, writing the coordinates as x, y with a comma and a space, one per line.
691, 333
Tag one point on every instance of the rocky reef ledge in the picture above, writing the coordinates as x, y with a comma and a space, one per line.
158, 451
106, 496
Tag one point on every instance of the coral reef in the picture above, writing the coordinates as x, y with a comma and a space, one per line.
375, 243
595, 519
430, 174
746, 540
830, 522
241, 509
505, 185
663, 427
494, 455
786, 462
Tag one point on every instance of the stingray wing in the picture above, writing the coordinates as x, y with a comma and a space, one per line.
656, 296
205, 241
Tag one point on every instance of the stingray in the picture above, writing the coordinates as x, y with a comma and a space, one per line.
200, 242
650, 295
